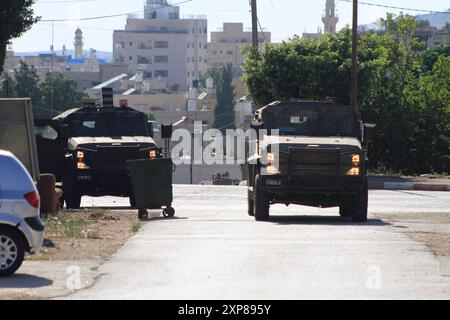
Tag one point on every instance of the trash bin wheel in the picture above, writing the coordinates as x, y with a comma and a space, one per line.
143, 214
169, 212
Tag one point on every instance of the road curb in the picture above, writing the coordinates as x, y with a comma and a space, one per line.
412, 186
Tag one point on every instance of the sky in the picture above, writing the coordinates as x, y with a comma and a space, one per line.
284, 18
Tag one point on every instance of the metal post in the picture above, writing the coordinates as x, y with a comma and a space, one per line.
355, 56
254, 23
191, 179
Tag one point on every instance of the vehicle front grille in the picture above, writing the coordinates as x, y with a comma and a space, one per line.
114, 157
312, 162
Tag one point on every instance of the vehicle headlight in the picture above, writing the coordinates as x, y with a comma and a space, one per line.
355, 171
271, 169
356, 159
81, 164
153, 154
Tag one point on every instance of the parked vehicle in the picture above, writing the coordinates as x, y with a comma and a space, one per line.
21, 229
321, 159
87, 149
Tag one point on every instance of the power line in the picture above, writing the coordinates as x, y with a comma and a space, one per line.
110, 16
397, 8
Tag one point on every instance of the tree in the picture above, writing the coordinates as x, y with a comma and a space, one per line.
58, 94
27, 85
224, 112
17, 16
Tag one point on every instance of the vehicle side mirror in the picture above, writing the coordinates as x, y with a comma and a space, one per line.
64, 131
166, 131
257, 126
368, 132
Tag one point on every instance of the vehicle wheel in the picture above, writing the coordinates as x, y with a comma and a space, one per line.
169, 212
12, 251
261, 201
72, 195
251, 204
142, 214
360, 204
345, 211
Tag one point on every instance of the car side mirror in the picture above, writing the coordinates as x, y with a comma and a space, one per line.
257, 126
64, 131
368, 133
166, 131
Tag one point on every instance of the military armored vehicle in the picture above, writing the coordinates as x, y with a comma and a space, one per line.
87, 149
320, 158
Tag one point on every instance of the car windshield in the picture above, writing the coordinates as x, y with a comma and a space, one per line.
314, 122
108, 125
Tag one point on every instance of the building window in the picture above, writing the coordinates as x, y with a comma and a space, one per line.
189, 45
130, 58
144, 60
161, 59
200, 30
188, 60
200, 59
229, 52
161, 73
131, 43
161, 44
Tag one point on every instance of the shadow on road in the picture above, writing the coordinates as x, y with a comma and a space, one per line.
24, 281
323, 220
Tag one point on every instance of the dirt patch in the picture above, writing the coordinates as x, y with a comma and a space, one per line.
415, 224
88, 235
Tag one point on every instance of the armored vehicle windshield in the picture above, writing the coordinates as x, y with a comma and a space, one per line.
311, 119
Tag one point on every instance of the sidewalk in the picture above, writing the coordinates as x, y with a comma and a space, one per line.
408, 183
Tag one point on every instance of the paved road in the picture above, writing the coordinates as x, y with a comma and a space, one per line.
213, 250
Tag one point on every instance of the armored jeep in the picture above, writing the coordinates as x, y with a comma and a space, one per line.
87, 149
316, 158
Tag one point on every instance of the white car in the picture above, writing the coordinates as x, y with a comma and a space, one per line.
21, 228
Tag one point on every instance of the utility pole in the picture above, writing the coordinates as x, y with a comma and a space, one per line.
355, 56
254, 23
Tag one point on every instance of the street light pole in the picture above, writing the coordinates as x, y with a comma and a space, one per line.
355, 56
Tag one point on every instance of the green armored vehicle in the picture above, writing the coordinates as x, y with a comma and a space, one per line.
87, 149
317, 158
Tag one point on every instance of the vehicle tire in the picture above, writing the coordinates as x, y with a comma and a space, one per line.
72, 195
142, 214
169, 212
261, 201
345, 211
360, 204
251, 204
12, 251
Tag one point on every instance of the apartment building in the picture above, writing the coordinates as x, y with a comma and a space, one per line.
166, 50
227, 46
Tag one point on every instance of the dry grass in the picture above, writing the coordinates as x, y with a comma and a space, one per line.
93, 234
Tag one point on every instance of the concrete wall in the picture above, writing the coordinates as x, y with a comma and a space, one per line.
17, 132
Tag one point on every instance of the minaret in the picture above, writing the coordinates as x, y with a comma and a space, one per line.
78, 43
330, 19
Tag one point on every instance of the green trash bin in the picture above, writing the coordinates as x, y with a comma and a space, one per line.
152, 185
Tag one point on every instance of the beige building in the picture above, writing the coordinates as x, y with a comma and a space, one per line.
161, 45
226, 47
